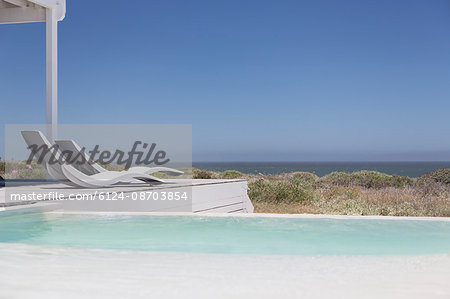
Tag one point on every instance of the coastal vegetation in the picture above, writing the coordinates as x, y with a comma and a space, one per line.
22, 170
357, 193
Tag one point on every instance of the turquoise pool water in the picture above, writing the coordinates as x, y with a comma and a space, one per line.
229, 235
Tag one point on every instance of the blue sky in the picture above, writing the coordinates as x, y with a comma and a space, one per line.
258, 80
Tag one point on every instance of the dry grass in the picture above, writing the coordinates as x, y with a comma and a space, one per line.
358, 193
361, 193
361, 201
283, 208
409, 201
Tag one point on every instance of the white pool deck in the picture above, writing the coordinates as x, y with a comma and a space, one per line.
208, 196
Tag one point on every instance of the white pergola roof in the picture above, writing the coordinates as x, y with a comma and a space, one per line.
50, 12
26, 11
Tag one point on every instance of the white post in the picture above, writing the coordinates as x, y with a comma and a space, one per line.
52, 73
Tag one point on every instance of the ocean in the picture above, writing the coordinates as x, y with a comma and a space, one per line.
411, 169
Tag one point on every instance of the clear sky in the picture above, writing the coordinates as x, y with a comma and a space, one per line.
258, 80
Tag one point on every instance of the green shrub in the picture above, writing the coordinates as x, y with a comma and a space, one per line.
371, 179
366, 179
22, 170
399, 181
111, 166
2, 168
337, 178
201, 174
306, 177
231, 174
160, 175
279, 191
439, 176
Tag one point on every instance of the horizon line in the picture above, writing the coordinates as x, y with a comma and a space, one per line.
328, 161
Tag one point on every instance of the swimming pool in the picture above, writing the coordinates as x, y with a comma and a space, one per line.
229, 235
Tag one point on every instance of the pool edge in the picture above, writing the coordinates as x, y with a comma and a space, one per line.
260, 215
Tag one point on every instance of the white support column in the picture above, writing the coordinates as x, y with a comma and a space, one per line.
52, 73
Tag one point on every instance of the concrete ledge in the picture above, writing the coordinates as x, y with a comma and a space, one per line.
208, 196
263, 215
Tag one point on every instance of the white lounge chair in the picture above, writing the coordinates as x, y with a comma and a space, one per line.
67, 174
84, 164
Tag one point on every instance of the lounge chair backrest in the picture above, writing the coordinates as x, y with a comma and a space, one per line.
82, 161
36, 138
